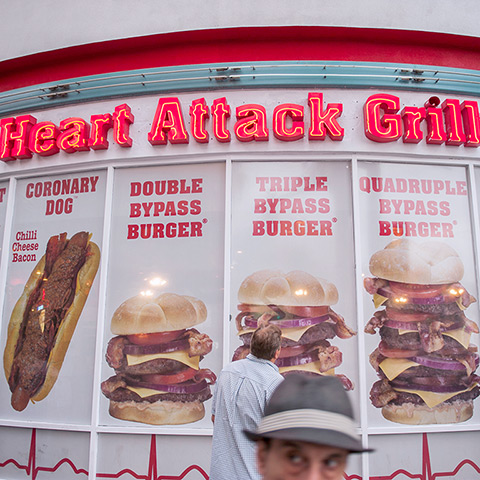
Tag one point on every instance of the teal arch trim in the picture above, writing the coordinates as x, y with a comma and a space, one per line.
226, 76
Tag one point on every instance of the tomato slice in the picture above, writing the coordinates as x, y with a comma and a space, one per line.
307, 312
179, 377
386, 351
400, 316
154, 338
417, 291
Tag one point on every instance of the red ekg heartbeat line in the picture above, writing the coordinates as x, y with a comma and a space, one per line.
427, 473
152, 468
32, 470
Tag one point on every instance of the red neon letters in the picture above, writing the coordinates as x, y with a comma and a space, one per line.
451, 124
385, 120
22, 136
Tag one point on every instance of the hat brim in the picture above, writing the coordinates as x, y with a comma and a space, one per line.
329, 438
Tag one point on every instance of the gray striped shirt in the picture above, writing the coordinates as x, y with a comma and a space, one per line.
241, 392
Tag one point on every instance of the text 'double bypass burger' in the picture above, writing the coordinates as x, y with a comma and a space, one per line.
425, 360
300, 304
156, 356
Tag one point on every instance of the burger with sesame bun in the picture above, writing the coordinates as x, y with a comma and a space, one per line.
425, 361
300, 304
156, 355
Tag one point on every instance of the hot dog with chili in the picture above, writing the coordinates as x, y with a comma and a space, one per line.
45, 316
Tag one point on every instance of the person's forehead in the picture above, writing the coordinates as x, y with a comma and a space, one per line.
309, 448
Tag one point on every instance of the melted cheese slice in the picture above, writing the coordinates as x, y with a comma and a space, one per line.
403, 332
179, 356
294, 333
433, 399
313, 367
393, 367
460, 335
145, 392
378, 300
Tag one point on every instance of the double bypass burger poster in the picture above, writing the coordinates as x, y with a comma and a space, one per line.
293, 238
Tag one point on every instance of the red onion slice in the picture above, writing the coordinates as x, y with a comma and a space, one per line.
437, 300
250, 322
290, 322
302, 359
441, 363
132, 349
300, 322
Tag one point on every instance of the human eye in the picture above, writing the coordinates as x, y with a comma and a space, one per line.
294, 458
333, 464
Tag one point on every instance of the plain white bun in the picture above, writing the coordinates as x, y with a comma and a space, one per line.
444, 413
424, 263
296, 288
165, 313
158, 413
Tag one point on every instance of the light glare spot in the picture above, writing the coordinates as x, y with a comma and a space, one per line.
157, 282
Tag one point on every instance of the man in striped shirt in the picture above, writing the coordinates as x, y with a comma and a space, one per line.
242, 390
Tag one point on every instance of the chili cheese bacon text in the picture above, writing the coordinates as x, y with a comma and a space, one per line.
45, 316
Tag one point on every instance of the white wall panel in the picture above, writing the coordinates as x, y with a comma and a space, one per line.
50, 25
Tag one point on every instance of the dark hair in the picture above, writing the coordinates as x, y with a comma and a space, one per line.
266, 340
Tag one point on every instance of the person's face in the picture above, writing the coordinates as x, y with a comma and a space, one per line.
288, 460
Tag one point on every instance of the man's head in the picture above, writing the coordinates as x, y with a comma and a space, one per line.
266, 341
307, 431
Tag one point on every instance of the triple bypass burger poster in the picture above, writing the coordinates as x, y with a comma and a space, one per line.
294, 243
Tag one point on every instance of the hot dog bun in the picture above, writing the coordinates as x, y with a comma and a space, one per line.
165, 313
84, 282
427, 263
296, 288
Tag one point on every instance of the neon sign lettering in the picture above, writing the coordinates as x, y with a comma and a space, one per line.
449, 123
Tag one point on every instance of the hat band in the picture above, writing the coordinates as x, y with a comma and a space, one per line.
307, 418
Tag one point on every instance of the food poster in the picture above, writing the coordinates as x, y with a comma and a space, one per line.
3, 211
51, 299
164, 313
425, 456
420, 295
292, 264
38, 453
175, 457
